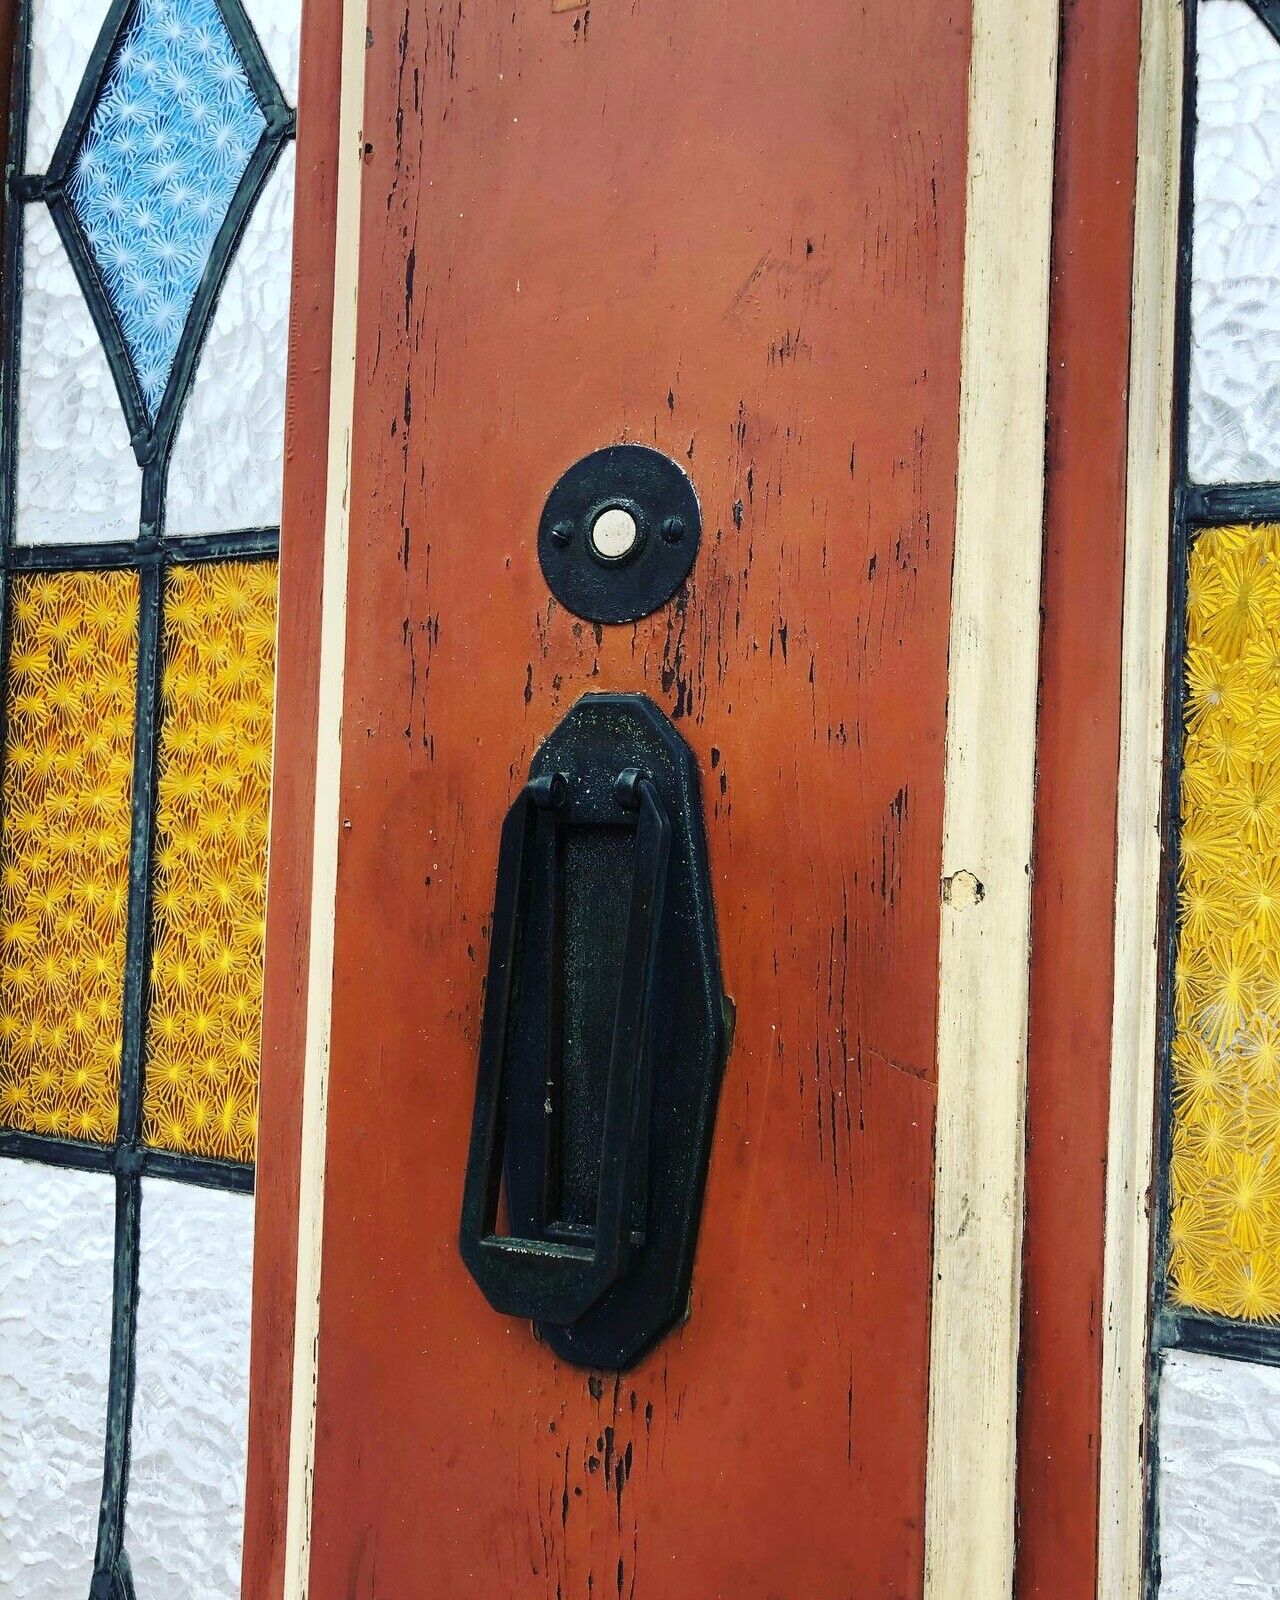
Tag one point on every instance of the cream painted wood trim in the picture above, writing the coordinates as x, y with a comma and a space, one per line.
1133, 1030
987, 822
324, 865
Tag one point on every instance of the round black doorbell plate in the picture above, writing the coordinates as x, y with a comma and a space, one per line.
619, 533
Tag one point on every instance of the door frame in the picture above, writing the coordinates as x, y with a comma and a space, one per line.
1140, 777
303, 841
984, 955
989, 789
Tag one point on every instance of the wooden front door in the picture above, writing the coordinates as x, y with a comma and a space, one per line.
734, 234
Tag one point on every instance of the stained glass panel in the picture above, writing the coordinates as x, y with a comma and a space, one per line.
57, 1234
76, 476
185, 1507
1234, 399
275, 22
209, 892
144, 403
1225, 1172
64, 849
63, 34
170, 137
228, 456
1219, 1447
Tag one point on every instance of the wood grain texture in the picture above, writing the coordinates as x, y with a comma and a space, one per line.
292, 803
990, 777
1126, 1281
317, 1033
738, 236
1078, 735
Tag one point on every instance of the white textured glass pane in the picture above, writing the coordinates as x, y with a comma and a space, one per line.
276, 24
1219, 1479
229, 454
63, 32
77, 477
1235, 278
57, 1231
184, 1520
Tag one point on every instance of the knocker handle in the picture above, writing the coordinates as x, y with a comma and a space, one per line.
545, 1280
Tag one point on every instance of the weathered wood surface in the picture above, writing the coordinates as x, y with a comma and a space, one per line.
292, 805
1077, 754
733, 233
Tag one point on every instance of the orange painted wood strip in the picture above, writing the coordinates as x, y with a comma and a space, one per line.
1078, 748
292, 805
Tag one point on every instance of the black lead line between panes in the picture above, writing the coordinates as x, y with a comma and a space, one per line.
202, 1172
151, 554
1192, 506
1173, 695
153, 438
130, 1158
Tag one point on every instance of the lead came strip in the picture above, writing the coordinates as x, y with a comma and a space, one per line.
139, 674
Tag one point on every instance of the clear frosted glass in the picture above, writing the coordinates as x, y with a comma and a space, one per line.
1235, 281
63, 33
228, 458
77, 478
1219, 1478
184, 1520
276, 24
57, 1231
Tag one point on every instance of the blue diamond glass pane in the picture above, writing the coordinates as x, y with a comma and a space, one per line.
172, 130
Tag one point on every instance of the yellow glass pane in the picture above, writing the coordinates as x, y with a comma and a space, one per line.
209, 885
70, 705
1224, 1224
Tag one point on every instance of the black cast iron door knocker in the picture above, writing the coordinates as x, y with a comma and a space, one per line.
603, 1041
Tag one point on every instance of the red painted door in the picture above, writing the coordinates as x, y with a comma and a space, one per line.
733, 233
